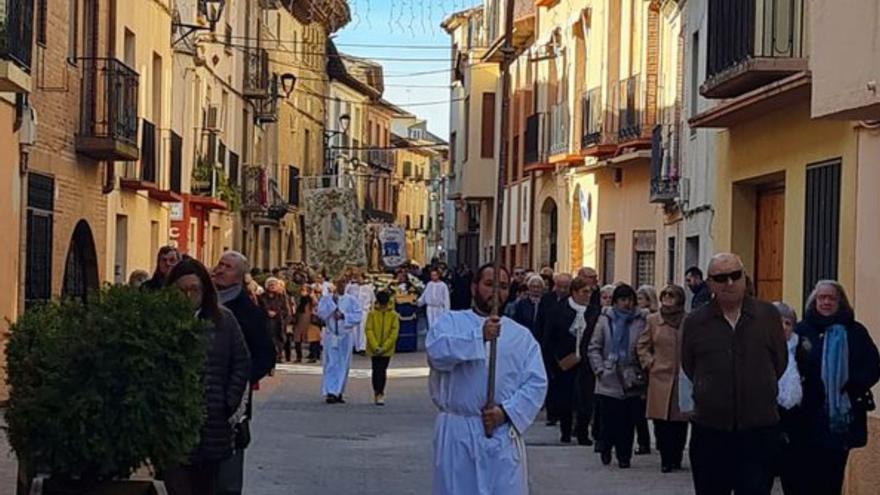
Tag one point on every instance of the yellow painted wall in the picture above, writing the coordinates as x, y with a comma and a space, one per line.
784, 142
10, 248
479, 174
623, 209
150, 22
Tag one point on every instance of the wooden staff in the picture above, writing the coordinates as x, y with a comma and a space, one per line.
508, 56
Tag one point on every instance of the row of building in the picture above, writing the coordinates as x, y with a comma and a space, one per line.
646, 135
129, 125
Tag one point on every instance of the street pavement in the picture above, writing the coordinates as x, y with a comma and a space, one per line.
303, 446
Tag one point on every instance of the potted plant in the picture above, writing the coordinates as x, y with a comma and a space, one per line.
102, 388
202, 177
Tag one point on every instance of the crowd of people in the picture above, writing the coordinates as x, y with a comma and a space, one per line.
760, 394
763, 394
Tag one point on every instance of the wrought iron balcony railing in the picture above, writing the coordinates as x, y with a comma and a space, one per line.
17, 31
559, 126
382, 158
108, 127
629, 109
256, 73
752, 43
267, 108
591, 117
664, 165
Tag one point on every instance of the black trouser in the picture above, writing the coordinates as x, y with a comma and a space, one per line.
298, 348
288, 340
733, 461
671, 438
563, 401
380, 373
643, 434
814, 471
585, 386
618, 425
190, 480
314, 350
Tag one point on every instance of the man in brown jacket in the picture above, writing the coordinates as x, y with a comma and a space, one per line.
734, 352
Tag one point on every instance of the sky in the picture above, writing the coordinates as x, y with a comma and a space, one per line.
407, 29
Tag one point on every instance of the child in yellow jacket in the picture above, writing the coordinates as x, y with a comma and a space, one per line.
383, 324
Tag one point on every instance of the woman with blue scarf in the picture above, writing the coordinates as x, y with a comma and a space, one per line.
841, 365
620, 381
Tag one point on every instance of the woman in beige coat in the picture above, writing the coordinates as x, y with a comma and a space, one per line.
659, 349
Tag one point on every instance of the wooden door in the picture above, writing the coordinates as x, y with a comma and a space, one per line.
769, 243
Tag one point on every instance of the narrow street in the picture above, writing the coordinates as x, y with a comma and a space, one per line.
303, 446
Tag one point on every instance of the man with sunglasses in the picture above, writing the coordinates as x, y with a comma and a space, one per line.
734, 351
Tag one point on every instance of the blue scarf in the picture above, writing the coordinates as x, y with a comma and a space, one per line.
835, 375
620, 321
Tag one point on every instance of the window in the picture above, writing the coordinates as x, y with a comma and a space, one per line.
692, 251
695, 76
606, 262
42, 21
128, 48
644, 246
670, 260
38, 262
822, 224
233, 168
176, 163
293, 186
487, 138
72, 31
453, 138
407, 169
158, 87
120, 263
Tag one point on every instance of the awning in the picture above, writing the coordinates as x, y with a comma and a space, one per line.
207, 202
165, 196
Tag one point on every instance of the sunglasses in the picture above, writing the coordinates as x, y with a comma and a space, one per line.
723, 278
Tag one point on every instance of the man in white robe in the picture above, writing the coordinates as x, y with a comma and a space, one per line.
436, 297
465, 461
342, 316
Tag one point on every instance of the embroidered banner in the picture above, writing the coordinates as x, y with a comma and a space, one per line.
393, 242
334, 230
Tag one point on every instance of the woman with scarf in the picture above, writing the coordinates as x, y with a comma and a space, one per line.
659, 353
620, 381
841, 365
572, 322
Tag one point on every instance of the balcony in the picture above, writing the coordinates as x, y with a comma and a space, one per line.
16, 39
257, 84
664, 165
531, 153
108, 122
255, 189
266, 109
559, 123
635, 117
753, 43
381, 158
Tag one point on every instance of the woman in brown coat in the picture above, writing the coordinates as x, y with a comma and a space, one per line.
659, 349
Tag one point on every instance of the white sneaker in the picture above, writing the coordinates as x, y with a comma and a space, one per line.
380, 400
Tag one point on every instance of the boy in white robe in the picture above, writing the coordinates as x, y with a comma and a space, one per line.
436, 297
342, 316
465, 461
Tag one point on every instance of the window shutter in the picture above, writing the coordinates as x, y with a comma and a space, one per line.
821, 224
487, 145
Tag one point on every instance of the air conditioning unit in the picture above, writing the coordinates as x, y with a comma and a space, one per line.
212, 118
27, 134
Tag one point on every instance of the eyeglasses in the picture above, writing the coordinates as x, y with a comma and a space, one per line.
723, 278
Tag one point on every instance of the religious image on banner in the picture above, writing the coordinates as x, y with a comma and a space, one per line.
334, 230
393, 242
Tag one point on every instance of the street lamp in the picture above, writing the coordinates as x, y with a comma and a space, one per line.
213, 12
288, 82
344, 122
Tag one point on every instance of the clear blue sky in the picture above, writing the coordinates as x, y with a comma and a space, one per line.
405, 25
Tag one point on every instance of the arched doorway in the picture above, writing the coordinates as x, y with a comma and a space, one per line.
81, 267
549, 233
577, 234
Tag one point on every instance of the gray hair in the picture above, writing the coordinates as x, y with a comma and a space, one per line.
607, 290
786, 311
651, 294
841, 293
535, 279
243, 265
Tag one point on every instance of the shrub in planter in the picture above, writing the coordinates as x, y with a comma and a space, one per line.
101, 388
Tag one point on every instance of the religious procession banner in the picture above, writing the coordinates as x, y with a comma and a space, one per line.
393, 242
334, 230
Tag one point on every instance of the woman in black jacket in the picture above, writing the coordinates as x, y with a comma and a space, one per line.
570, 324
225, 380
841, 365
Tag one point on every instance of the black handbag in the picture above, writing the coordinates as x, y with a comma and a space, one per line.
865, 402
242, 435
